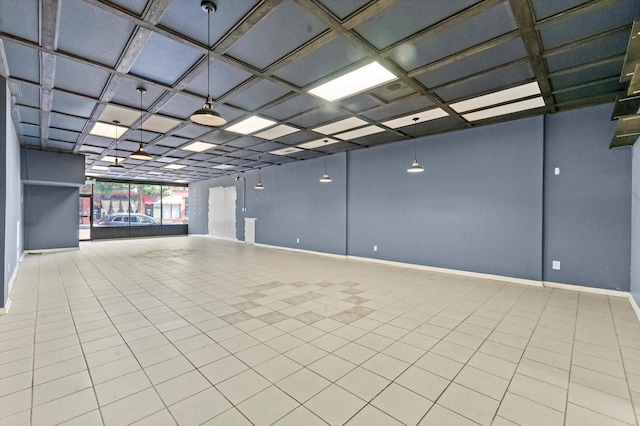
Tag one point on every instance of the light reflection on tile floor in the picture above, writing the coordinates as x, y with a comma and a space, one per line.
191, 330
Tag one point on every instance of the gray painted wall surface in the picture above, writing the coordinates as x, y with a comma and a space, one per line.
295, 205
51, 217
11, 210
476, 207
49, 168
588, 205
635, 224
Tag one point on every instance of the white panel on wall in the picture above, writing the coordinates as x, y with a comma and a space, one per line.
250, 230
222, 212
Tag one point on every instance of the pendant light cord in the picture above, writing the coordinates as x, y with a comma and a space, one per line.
415, 142
325, 158
141, 92
208, 53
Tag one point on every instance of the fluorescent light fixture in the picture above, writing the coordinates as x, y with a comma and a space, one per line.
175, 166
340, 126
356, 81
91, 174
250, 125
223, 166
198, 146
358, 133
317, 143
180, 181
285, 151
501, 96
99, 168
505, 109
110, 159
407, 120
277, 132
107, 130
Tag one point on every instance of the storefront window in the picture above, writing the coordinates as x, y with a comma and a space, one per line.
144, 199
111, 205
174, 205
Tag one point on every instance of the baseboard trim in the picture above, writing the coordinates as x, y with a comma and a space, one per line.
448, 271
585, 289
5, 309
634, 305
319, 253
54, 250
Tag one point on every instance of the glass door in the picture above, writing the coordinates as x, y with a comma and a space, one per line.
84, 214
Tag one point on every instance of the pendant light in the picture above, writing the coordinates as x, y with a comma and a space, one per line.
140, 154
415, 167
259, 185
325, 177
206, 115
116, 165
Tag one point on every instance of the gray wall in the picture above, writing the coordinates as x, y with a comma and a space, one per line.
51, 217
476, 207
588, 205
52, 168
51, 182
11, 203
295, 205
481, 204
635, 225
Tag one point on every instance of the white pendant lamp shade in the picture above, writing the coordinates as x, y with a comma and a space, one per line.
415, 167
325, 177
206, 115
259, 185
116, 164
140, 154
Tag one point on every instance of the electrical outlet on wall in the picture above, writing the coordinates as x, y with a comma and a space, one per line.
556, 171
375, 248
298, 240
556, 265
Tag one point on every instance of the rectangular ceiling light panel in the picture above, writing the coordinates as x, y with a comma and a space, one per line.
340, 126
357, 81
358, 133
277, 132
423, 116
100, 168
107, 130
518, 92
223, 166
505, 109
317, 143
175, 166
285, 151
250, 125
198, 146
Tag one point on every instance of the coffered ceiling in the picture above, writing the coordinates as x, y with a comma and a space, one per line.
73, 67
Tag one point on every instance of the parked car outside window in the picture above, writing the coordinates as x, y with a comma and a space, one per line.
125, 219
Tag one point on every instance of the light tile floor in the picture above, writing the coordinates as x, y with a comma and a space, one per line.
191, 330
